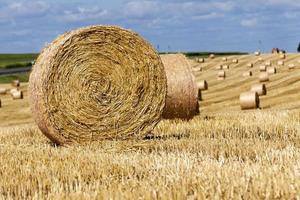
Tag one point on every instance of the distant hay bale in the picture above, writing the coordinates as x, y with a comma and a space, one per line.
197, 69
282, 56
219, 67
225, 67
268, 63
247, 73
182, 95
257, 53
201, 60
224, 58
280, 62
263, 77
250, 65
212, 56
15, 83
3, 90
202, 85
221, 75
259, 88
260, 59
271, 70
249, 100
13, 90
235, 61
291, 66
262, 68
95, 83
17, 95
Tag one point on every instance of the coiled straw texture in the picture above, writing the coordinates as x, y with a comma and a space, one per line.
95, 83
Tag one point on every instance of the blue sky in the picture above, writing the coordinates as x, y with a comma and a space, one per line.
203, 25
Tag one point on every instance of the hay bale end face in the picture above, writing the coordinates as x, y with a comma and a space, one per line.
182, 95
201, 60
259, 88
3, 90
202, 85
16, 83
95, 83
221, 75
17, 95
271, 70
262, 68
263, 77
249, 100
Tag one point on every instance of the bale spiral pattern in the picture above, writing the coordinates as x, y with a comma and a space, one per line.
97, 82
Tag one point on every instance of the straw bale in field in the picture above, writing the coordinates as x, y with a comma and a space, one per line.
271, 70
202, 85
263, 77
259, 88
249, 100
3, 90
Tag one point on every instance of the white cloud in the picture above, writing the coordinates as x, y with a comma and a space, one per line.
249, 22
82, 13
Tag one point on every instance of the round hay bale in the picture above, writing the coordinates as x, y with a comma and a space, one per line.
248, 73
3, 90
201, 60
235, 61
95, 83
250, 65
249, 100
263, 77
259, 88
280, 62
282, 56
221, 75
224, 58
291, 66
202, 85
17, 95
257, 53
219, 67
182, 95
15, 83
268, 63
197, 69
212, 56
225, 67
271, 70
262, 68
260, 59
13, 90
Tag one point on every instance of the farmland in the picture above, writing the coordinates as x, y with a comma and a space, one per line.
222, 153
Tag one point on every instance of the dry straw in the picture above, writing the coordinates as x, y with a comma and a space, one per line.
249, 100
202, 85
262, 68
221, 75
15, 83
250, 65
3, 90
291, 66
97, 82
263, 77
259, 88
280, 62
248, 73
181, 101
17, 95
271, 70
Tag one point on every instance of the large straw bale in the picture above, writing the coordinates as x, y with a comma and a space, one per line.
182, 95
262, 68
282, 56
235, 61
224, 58
13, 90
259, 88
219, 67
271, 70
250, 65
263, 77
221, 75
17, 95
201, 60
247, 73
212, 56
291, 66
268, 63
249, 100
3, 90
225, 67
15, 83
260, 59
95, 83
257, 53
280, 62
202, 85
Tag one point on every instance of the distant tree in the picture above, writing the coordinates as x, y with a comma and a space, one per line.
299, 47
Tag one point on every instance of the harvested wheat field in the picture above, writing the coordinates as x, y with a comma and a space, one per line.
224, 152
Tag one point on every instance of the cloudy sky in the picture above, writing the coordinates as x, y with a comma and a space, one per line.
174, 25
